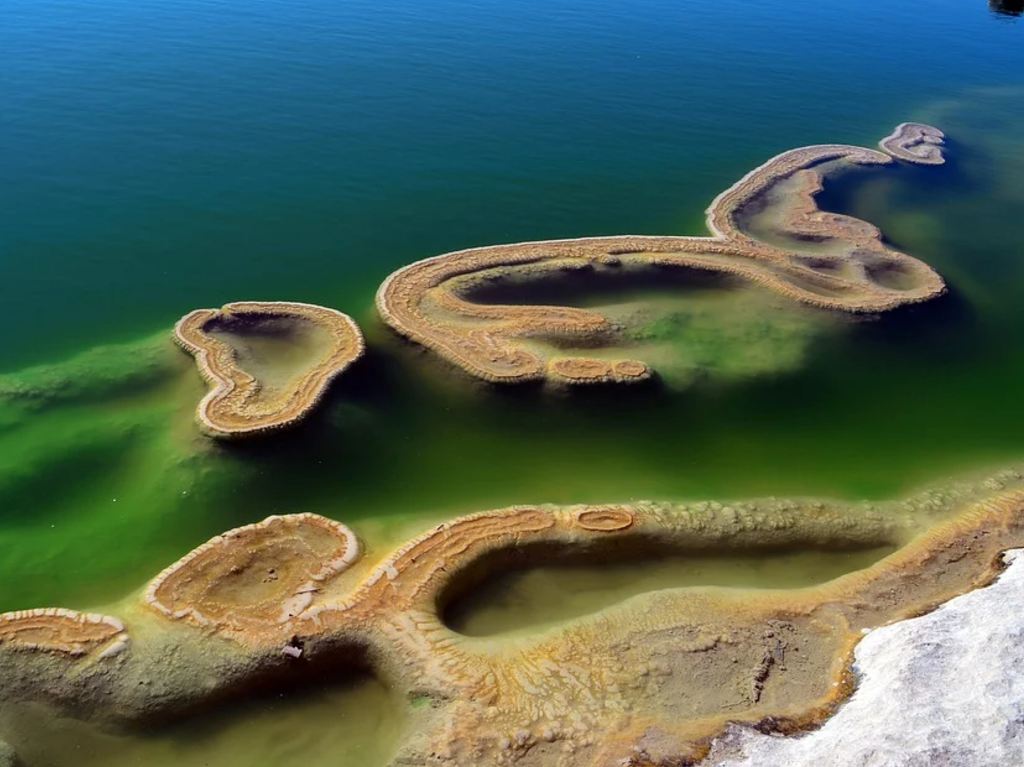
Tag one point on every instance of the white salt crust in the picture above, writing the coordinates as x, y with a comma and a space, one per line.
942, 690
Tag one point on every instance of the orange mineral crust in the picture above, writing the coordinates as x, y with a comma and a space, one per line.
648, 681
818, 258
62, 631
241, 404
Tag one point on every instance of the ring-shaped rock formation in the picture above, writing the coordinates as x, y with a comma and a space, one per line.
841, 264
254, 578
915, 143
233, 406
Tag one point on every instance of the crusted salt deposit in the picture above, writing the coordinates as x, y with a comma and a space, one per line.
252, 579
59, 630
915, 143
650, 681
946, 688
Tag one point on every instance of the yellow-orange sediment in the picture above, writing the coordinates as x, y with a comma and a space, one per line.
605, 519
58, 630
431, 301
648, 681
233, 406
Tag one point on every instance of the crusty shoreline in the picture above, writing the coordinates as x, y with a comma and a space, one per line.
647, 681
650, 681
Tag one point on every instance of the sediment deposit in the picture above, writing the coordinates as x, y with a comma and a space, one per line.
649, 681
915, 143
253, 578
238, 404
818, 258
945, 688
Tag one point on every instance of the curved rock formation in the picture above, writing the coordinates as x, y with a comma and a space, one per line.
238, 403
647, 682
915, 143
250, 580
62, 631
606, 520
814, 257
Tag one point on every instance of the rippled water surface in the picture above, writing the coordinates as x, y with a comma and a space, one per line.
158, 157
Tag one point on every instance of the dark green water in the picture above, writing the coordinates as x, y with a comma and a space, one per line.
160, 157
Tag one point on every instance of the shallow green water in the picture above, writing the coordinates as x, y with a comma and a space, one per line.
98, 453
525, 601
162, 157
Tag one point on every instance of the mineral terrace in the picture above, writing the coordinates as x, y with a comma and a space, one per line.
650, 681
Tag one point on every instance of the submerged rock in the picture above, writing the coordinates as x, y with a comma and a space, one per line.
1007, 7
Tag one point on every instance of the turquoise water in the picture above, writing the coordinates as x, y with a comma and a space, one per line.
160, 157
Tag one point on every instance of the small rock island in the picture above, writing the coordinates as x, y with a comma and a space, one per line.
268, 363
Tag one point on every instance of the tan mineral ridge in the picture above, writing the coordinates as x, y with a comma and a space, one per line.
915, 142
646, 682
62, 631
829, 260
240, 404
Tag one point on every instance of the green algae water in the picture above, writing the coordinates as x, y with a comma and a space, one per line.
160, 157
355, 722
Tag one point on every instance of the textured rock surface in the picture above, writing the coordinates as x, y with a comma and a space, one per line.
248, 581
58, 630
916, 143
238, 404
646, 682
810, 256
946, 688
